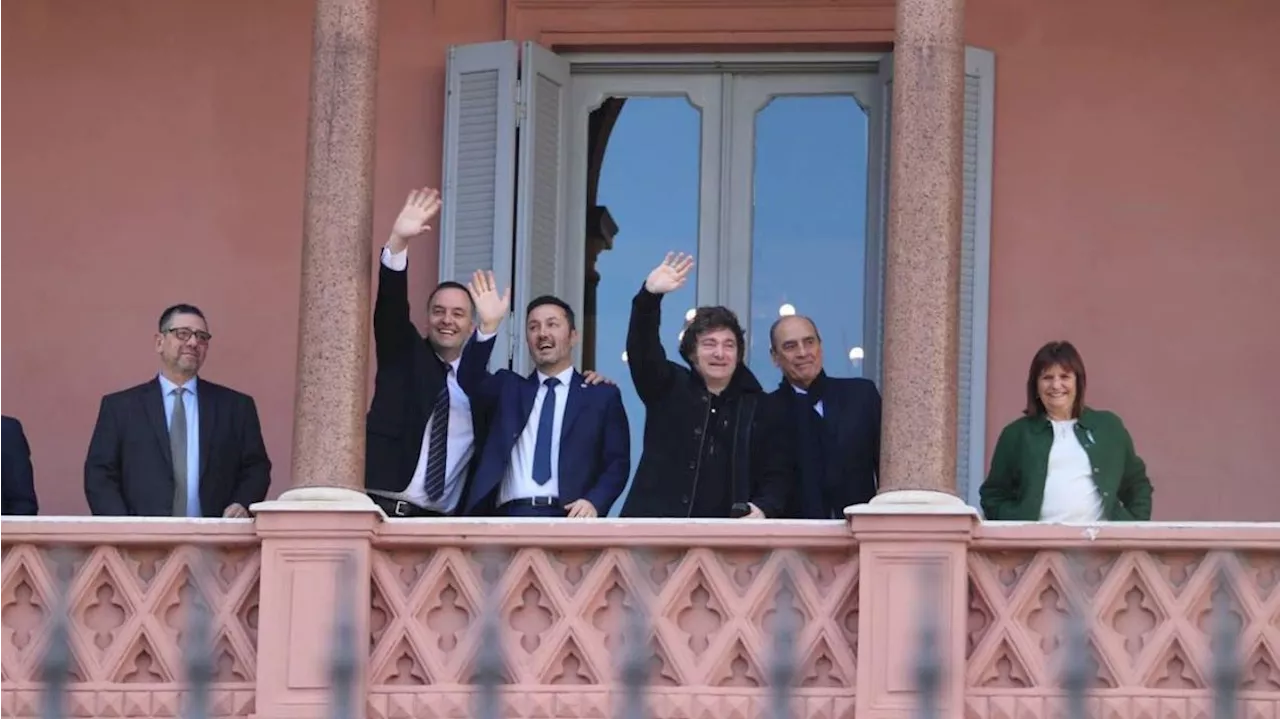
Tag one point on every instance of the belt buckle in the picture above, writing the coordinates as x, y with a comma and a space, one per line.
399, 508
542, 501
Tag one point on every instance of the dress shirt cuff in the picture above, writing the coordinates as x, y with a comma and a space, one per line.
396, 261
482, 336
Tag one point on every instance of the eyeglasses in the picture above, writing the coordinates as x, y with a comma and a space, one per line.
184, 334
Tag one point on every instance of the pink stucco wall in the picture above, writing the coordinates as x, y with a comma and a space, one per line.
156, 154
1135, 199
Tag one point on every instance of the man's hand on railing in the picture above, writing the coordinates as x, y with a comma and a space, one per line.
581, 509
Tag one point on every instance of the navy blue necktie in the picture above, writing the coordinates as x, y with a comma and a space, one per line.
438, 443
546, 422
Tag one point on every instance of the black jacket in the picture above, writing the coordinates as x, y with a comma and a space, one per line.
837, 454
129, 468
408, 379
19, 480
684, 471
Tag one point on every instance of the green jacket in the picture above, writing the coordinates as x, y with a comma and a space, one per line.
1014, 488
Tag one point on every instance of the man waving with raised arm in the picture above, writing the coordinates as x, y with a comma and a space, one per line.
712, 446
560, 445
421, 430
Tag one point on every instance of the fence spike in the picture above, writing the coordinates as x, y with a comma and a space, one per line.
929, 663
1226, 660
635, 664
198, 649
56, 664
342, 670
489, 668
1076, 667
783, 665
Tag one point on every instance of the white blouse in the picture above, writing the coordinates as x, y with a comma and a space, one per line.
1069, 492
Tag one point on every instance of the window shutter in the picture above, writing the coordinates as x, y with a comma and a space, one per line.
975, 266
540, 206
479, 169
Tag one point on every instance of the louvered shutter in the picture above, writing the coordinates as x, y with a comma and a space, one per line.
540, 194
975, 264
479, 169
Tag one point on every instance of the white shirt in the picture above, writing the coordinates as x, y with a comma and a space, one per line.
1070, 494
461, 436
191, 405
817, 407
518, 482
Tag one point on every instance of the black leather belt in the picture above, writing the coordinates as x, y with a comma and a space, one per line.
535, 502
401, 508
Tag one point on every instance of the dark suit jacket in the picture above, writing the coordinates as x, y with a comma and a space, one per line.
408, 380
840, 468
129, 468
595, 441
19, 481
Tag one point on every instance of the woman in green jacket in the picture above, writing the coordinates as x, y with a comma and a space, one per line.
1062, 461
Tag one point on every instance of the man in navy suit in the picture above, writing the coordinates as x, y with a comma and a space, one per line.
19, 480
557, 446
836, 422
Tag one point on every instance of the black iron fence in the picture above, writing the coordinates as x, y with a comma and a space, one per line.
1075, 674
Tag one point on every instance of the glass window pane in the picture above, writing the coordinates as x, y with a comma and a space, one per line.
649, 183
808, 243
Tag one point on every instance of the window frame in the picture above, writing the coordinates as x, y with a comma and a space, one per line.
724, 242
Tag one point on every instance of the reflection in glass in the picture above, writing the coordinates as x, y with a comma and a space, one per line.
808, 245
648, 183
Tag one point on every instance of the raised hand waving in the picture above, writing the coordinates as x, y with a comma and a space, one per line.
490, 306
671, 274
419, 210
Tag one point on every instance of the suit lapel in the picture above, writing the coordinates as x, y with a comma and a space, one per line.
528, 392
153, 406
207, 402
572, 405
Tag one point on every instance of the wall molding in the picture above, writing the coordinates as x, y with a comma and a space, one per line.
580, 24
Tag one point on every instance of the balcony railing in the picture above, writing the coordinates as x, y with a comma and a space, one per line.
638, 619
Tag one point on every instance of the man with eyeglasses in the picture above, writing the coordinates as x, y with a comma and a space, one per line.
177, 446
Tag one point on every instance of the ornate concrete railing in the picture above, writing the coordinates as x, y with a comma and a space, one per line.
906, 616
128, 588
1145, 597
707, 592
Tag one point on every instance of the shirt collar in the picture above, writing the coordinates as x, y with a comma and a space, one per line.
565, 376
167, 386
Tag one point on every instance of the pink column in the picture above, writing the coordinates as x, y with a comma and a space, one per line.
916, 528
326, 520
922, 275
333, 331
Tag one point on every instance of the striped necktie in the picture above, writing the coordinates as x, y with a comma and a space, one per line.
438, 446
